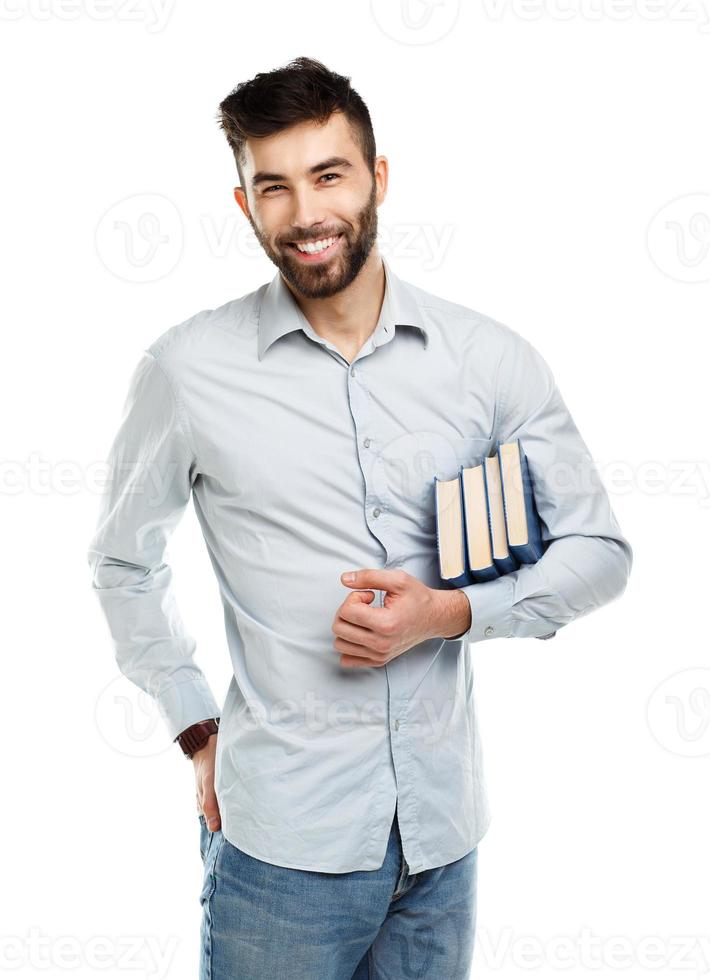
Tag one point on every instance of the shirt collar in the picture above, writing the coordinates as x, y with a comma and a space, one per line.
280, 314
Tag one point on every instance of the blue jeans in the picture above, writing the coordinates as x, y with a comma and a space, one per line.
264, 922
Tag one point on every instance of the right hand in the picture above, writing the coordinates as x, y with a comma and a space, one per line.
203, 761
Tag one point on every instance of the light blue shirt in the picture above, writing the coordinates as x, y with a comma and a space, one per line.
302, 466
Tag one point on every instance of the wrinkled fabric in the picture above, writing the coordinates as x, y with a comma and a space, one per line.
262, 921
301, 466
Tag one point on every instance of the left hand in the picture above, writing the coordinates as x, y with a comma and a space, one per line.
371, 636
204, 764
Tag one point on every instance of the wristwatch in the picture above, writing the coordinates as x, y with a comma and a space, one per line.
196, 736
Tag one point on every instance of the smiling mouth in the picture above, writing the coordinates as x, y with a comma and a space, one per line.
317, 249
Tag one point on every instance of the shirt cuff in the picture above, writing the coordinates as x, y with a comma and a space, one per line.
186, 703
491, 609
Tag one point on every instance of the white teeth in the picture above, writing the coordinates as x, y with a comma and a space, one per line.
315, 246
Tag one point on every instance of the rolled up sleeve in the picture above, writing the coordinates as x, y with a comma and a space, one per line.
151, 471
587, 561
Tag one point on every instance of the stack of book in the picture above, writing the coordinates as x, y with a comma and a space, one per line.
487, 523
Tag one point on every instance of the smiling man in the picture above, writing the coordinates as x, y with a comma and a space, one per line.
340, 789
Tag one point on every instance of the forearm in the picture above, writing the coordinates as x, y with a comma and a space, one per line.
454, 613
575, 576
152, 648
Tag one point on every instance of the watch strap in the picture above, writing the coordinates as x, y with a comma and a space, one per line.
196, 736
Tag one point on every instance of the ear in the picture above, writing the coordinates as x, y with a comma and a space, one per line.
381, 177
241, 199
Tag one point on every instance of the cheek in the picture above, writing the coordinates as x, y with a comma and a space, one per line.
271, 219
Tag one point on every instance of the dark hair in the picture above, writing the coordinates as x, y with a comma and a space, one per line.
302, 90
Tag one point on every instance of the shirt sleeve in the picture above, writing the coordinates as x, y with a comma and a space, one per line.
151, 472
587, 561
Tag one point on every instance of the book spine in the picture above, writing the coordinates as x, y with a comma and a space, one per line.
527, 554
488, 507
531, 514
505, 501
464, 526
436, 526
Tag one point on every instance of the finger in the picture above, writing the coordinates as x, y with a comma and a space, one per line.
377, 619
387, 579
352, 659
361, 595
365, 597
356, 662
211, 811
360, 635
359, 652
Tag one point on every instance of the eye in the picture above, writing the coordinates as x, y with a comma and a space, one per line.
273, 187
329, 175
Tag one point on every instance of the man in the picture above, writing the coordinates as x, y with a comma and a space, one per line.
340, 790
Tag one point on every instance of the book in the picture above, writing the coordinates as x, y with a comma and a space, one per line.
450, 540
479, 549
504, 561
487, 522
522, 520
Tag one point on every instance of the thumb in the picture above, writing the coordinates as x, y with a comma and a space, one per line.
211, 810
384, 579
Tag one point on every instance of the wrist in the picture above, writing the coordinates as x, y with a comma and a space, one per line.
454, 615
205, 751
197, 736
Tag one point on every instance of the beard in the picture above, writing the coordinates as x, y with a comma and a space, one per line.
318, 281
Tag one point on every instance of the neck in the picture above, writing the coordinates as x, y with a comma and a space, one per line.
348, 318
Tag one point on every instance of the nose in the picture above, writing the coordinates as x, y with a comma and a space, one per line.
308, 212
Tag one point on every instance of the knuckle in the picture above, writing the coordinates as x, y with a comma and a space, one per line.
389, 626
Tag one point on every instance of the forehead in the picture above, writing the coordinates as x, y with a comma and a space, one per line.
292, 151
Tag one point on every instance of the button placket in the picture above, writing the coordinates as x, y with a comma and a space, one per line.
376, 513
377, 517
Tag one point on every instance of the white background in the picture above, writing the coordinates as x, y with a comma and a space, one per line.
548, 167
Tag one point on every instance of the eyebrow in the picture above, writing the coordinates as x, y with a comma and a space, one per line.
262, 175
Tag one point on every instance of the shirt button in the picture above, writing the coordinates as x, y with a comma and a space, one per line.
376, 512
366, 443
489, 631
396, 724
352, 372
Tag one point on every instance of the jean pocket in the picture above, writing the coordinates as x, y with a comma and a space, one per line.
210, 851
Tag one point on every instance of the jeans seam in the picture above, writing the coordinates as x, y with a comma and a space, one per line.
207, 910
